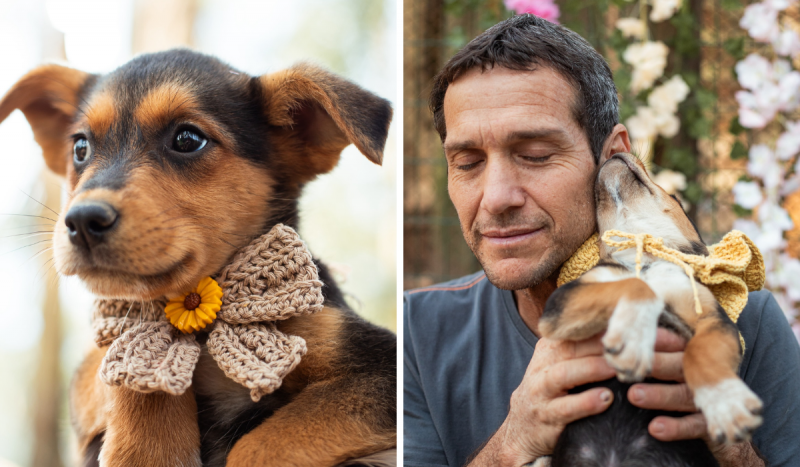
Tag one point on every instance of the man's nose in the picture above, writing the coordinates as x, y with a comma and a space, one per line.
502, 188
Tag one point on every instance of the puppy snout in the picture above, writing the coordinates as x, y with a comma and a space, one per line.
89, 222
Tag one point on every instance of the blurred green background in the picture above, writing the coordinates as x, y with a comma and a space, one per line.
348, 216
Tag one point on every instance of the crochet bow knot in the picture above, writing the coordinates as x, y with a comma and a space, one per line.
271, 279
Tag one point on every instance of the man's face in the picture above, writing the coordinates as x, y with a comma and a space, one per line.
520, 172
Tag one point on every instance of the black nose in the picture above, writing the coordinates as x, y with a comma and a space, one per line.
89, 222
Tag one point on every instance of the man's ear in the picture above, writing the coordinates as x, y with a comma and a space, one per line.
48, 96
318, 114
618, 141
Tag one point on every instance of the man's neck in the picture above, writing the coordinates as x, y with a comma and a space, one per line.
530, 302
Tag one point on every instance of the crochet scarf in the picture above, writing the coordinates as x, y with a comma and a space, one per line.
271, 279
733, 267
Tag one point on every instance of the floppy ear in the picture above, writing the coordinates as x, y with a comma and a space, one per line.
48, 96
319, 114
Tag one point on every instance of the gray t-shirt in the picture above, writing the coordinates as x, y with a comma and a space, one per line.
466, 349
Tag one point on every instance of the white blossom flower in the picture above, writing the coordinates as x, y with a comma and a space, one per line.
787, 43
642, 125
747, 194
789, 89
789, 276
760, 157
663, 9
761, 22
769, 240
648, 60
753, 70
788, 144
774, 218
666, 97
779, 5
670, 181
631, 27
748, 228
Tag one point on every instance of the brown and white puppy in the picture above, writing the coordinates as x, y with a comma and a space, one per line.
610, 297
173, 162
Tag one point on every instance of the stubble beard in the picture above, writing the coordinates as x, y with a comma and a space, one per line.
563, 246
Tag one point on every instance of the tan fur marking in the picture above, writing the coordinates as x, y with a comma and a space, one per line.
169, 102
88, 397
327, 423
323, 334
167, 441
101, 113
713, 354
588, 308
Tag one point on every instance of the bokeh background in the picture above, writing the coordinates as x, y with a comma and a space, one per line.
348, 216
709, 89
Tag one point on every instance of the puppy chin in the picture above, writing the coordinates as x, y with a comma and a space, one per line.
125, 285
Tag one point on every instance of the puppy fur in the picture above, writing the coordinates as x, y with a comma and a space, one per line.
610, 297
180, 216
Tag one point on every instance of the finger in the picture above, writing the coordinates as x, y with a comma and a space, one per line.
668, 366
675, 397
572, 407
668, 341
588, 347
565, 375
674, 429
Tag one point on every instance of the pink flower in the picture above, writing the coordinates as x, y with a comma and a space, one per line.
545, 9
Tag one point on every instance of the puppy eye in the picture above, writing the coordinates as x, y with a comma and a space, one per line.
81, 150
188, 141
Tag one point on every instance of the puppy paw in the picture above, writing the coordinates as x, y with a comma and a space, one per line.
630, 339
731, 409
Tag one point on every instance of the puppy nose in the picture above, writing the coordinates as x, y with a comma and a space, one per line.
89, 222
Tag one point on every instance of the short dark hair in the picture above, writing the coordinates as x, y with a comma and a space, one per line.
525, 42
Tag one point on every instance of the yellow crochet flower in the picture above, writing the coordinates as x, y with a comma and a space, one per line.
193, 310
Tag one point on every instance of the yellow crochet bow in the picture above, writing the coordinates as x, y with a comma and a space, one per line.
733, 267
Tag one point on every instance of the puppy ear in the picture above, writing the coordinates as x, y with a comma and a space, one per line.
48, 96
324, 113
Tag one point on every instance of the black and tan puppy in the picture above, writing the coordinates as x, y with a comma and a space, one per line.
173, 162
610, 297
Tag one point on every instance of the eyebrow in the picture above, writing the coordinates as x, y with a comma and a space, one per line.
514, 136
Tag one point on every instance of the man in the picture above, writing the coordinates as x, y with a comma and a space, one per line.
527, 113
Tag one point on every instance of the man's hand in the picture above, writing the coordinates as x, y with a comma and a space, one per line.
668, 366
541, 407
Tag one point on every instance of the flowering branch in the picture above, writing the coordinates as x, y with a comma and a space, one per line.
770, 95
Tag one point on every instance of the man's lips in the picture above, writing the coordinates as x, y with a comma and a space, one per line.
509, 237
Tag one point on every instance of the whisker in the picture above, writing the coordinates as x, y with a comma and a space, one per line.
26, 246
42, 204
29, 215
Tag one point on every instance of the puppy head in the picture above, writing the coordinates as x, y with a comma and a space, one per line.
175, 160
628, 200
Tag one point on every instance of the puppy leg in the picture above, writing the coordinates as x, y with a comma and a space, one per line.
710, 362
630, 339
580, 309
88, 406
711, 357
327, 423
151, 430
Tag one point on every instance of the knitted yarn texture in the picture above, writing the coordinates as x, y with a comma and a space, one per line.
733, 267
271, 279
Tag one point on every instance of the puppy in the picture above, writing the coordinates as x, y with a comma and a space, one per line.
610, 297
173, 162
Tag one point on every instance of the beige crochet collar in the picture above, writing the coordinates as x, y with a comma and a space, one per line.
271, 279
